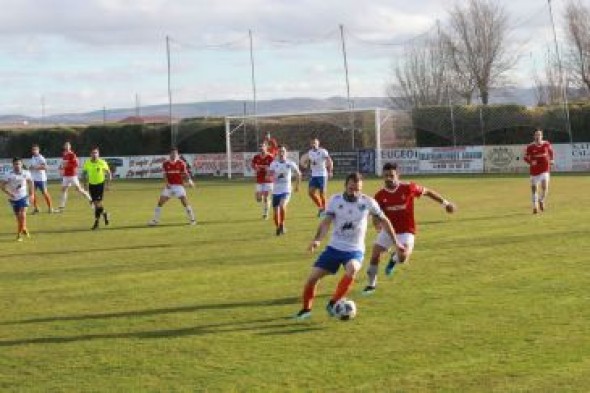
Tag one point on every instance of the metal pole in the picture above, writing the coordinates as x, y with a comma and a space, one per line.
228, 147
172, 138
482, 125
137, 112
452, 117
350, 114
566, 111
378, 161
253, 74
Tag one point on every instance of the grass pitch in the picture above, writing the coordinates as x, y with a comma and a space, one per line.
495, 299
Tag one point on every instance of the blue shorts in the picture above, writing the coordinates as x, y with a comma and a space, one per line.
19, 204
331, 259
277, 198
318, 182
40, 185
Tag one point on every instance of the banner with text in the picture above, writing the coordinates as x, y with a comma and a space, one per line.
407, 160
467, 159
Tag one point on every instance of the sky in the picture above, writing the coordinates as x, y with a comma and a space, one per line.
69, 56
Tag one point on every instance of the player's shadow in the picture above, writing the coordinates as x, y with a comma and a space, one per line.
257, 326
111, 228
92, 250
159, 311
480, 218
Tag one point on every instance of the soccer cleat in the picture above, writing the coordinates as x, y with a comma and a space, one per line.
278, 231
35, 211
389, 269
283, 229
535, 211
541, 206
26, 233
265, 216
19, 238
330, 308
95, 226
321, 213
369, 290
152, 223
105, 216
303, 314
192, 222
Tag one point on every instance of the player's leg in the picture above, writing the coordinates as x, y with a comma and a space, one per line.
265, 203
373, 268
96, 194
400, 255
190, 214
36, 186
534, 194
45, 191
276, 211
158, 209
352, 267
283, 212
65, 185
322, 195
80, 189
544, 190
309, 291
312, 191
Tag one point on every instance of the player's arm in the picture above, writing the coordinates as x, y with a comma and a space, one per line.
4, 187
385, 224
330, 166
527, 157
321, 232
297, 177
187, 177
109, 175
551, 155
85, 176
450, 207
31, 187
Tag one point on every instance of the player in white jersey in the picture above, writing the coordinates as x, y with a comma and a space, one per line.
349, 212
320, 164
281, 170
18, 185
38, 169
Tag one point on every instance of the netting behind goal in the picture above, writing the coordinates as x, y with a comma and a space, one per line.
337, 130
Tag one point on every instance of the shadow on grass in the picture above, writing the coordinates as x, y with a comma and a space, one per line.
255, 326
159, 311
480, 218
91, 250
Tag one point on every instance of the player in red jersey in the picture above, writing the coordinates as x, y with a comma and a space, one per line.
539, 156
260, 163
396, 200
175, 172
69, 170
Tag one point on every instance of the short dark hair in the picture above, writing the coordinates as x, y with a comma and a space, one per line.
354, 176
173, 148
390, 166
95, 148
16, 159
283, 145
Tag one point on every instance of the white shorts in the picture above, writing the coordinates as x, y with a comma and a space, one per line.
385, 241
263, 187
67, 181
539, 178
174, 191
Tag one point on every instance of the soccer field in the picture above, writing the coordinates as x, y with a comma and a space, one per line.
494, 300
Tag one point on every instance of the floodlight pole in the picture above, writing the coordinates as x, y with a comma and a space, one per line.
172, 139
566, 111
351, 115
253, 75
228, 146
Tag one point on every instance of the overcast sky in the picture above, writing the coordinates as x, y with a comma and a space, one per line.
82, 55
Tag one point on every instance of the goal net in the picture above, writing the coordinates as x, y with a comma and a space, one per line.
342, 131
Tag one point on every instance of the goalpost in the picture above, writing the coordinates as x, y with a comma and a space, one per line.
339, 130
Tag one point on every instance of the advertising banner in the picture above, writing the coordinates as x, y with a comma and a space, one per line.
505, 159
580, 154
345, 162
407, 160
467, 159
366, 161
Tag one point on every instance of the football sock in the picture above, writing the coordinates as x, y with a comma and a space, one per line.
157, 212
342, 289
534, 200
265, 206
308, 295
322, 202
189, 213
64, 199
97, 212
316, 200
372, 275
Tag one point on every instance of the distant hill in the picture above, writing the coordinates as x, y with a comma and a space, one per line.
234, 107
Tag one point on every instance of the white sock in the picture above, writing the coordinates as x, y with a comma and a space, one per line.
372, 275
157, 212
64, 198
265, 206
534, 199
190, 214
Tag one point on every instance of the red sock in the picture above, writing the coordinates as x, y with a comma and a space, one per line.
316, 200
342, 289
322, 202
308, 295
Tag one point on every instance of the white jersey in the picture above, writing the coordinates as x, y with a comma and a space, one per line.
17, 184
350, 221
282, 174
318, 162
38, 174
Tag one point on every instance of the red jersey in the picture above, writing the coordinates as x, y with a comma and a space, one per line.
260, 164
398, 205
539, 157
174, 171
69, 163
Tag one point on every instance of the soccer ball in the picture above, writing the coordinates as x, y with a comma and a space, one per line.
345, 309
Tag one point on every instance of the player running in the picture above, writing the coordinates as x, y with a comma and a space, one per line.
261, 164
539, 156
349, 213
175, 172
320, 164
69, 168
98, 175
272, 145
281, 170
38, 169
18, 185
396, 199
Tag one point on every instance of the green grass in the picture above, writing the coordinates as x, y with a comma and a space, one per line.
495, 299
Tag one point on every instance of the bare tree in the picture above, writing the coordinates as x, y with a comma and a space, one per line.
577, 18
548, 84
420, 76
477, 44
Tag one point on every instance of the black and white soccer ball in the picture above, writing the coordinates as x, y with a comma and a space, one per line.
345, 309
